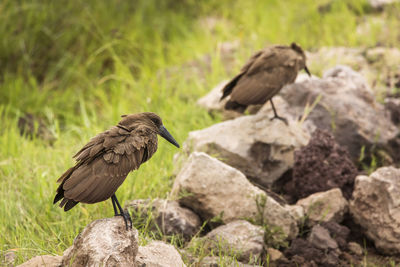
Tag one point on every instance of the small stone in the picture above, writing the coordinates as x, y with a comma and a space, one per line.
355, 248
274, 254
320, 238
43, 261
158, 254
325, 206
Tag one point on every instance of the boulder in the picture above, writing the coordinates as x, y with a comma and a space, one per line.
320, 166
167, 216
213, 189
376, 207
325, 206
211, 100
158, 254
238, 238
355, 248
104, 242
43, 261
344, 104
261, 148
214, 261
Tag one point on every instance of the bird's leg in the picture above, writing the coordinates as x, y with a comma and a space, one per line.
276, 114
124, 214
115, 207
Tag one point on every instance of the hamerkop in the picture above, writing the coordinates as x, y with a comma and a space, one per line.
263, 76
103, 163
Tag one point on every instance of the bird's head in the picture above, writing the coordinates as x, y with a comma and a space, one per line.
147, 120
302, 61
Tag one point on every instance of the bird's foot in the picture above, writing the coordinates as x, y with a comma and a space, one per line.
280, 118
127, 219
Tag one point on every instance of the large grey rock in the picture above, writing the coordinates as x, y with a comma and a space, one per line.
260, 148
346, 105
104, 242
211, 100
43, 261
239, 238
376, 207
158, 254
325, 206
212, 188
167, 216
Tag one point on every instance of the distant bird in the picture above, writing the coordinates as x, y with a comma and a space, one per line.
263, 76
103, 163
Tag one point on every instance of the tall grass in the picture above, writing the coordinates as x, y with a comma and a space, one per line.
81, 64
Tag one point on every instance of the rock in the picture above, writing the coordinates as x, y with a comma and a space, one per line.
297, 213
320, 238
325, 206
345, 104
167, 216
338, 232
321, 166
158, 254
239, 238
376, 207
214, 261
393, 106
274, 254
260, 148
211, 188
43, 261
104, 242
211, 100
380, 4
9, 258
355, 248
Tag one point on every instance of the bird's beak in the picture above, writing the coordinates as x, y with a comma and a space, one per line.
308, 72
164, 133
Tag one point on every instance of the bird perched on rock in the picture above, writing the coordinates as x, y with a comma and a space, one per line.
263, 76
103, 163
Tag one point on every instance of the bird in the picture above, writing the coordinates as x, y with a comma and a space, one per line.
263, 76
105, 161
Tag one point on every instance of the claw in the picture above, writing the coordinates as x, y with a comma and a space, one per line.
280, 118
127, 218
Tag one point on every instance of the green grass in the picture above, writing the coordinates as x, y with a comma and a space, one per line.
81, 64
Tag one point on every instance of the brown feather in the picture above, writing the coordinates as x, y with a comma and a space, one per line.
263, 76
104, 163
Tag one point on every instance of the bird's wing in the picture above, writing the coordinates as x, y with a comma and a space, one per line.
262, 85
227, 90
104, 163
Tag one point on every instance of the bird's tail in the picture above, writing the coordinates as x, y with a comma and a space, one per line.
233, 105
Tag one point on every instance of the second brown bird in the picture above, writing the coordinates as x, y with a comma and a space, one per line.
263, 76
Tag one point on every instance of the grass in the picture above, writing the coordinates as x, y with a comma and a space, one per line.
81, 64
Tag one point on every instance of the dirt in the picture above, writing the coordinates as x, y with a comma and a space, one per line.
321, 165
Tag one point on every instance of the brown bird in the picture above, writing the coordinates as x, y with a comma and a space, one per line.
263, 76
103, 163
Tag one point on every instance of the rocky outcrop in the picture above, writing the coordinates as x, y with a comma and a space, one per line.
167, 216
158, 254
344, 103
325, 206
320, 166
239, 238
376, 207
260, 148
213, 189
43, 261
104, 242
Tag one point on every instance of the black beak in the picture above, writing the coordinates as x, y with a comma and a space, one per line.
164, 133
308, 72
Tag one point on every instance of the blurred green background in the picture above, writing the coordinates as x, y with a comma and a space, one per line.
73, 67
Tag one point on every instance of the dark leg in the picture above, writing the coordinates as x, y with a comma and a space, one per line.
124, 214
276, 114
